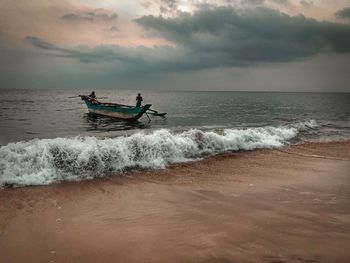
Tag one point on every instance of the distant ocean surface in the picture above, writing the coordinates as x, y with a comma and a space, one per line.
47, 137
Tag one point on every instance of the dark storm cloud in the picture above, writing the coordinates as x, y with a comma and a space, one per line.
90, 16
258, 34
344, 13
217, 37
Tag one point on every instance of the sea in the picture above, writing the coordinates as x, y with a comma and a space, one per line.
48, 136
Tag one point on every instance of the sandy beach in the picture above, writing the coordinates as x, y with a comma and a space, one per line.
289, 205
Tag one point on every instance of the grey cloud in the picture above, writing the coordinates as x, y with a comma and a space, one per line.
253, 2
83, 54
75, 17
123, 59
113, 29
39, 43
103, 16
344, 13
258, 34
168, 6
216, 37
281, 2
146, 4
306, 3
90, 16
169, 3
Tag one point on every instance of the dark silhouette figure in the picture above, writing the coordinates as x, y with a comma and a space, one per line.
92, 97
139, 100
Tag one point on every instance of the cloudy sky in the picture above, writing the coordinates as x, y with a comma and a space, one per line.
262, 45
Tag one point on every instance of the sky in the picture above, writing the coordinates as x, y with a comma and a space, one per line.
243, 45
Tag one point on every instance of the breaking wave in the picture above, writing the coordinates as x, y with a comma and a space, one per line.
46, 161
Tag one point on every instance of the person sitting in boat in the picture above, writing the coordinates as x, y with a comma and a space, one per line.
92, 97
139, 100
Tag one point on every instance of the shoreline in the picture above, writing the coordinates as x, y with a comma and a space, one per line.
283, 205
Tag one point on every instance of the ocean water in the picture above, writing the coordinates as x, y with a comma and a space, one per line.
47, 137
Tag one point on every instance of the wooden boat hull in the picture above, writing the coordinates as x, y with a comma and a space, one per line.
117, 111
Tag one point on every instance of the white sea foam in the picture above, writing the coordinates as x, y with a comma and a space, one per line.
45, 161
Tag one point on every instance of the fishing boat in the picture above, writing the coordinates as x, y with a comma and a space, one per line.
114, 110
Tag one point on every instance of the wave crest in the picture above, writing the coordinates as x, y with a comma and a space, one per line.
45, 161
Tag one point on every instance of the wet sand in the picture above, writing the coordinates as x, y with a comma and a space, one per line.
290, 205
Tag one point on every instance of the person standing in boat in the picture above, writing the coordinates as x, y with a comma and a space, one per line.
139, 100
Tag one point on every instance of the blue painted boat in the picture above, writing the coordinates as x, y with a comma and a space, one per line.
114, 110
